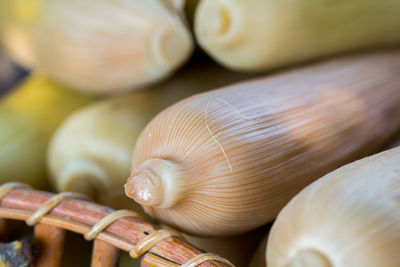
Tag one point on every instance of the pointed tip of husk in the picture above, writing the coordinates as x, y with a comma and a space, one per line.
145, 188
156, 183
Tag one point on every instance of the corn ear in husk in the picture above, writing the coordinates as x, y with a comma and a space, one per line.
349, 217
29, 115
92, 150
97, 46
260, 35
226, 161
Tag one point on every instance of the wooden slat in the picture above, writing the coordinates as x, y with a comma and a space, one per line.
104, 254
50, 242
80, 215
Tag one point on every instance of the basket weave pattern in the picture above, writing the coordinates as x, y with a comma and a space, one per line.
52, 215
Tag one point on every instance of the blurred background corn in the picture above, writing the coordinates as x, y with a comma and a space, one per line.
97, 46
29, 114
259, 35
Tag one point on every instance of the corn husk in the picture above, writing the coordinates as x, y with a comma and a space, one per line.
226, 161
92, 150
261, 35
29, 115
97, 46
350, 217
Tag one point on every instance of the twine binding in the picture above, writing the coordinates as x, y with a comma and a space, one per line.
151, 240
107, 220
50, 204
199, 259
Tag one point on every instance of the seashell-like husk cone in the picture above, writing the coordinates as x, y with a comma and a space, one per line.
226, 161
350, 217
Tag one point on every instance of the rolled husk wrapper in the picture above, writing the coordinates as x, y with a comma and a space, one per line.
226, 161
97, 46
91, 151
349, 217
261, 35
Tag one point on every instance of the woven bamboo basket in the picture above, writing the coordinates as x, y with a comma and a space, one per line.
112, 231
